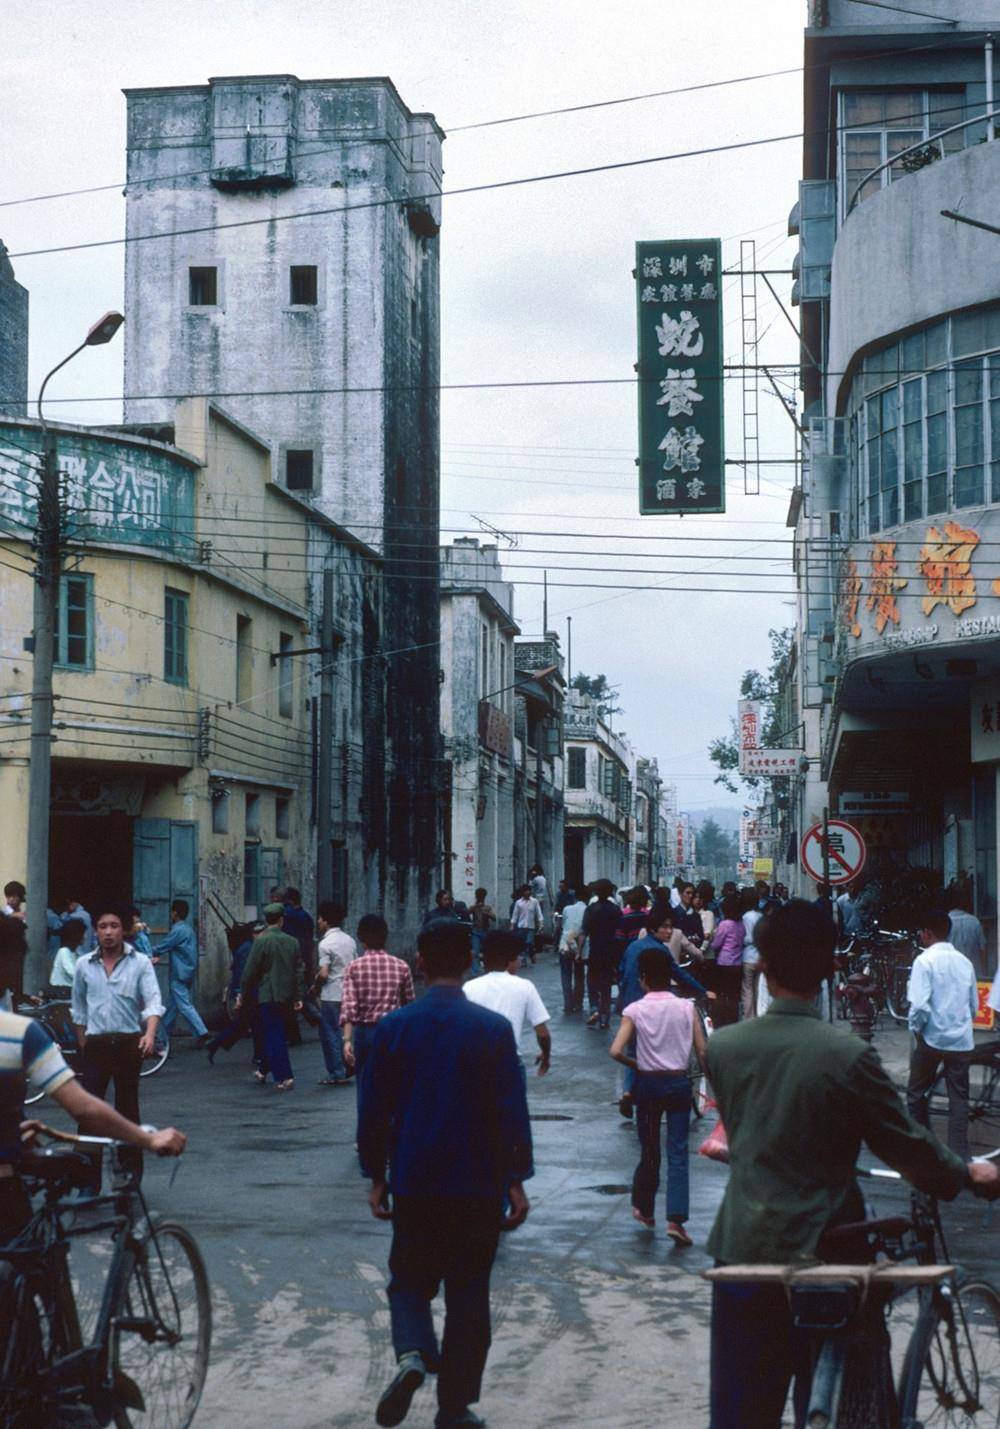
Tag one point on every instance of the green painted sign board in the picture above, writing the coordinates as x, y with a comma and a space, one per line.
678, 289
111, 490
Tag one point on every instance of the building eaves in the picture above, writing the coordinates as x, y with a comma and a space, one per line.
450, 586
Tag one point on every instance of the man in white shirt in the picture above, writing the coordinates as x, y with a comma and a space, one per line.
943, 1002
517, 999
572, 961
526, 920
336, 950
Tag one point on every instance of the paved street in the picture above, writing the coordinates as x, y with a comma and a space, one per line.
596, 1321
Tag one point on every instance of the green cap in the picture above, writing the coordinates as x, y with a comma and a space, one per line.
271, 909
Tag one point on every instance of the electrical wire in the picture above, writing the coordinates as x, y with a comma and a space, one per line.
344, 143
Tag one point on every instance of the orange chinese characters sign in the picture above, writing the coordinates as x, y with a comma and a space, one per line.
883, 585
984, 1018
851, 586
946, 566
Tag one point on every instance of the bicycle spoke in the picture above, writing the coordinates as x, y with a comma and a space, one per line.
162, 1340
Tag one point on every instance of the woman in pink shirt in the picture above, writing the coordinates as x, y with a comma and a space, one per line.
727, 944
665, 1029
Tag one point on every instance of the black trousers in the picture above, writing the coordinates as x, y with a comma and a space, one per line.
114, 1057
451, 1239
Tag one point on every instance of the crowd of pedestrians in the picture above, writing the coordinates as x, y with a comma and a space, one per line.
443, 1131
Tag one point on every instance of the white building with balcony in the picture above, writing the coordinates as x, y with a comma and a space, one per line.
477, 709
897, 520
600, 798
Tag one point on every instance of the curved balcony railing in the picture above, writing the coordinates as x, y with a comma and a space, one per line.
989, 114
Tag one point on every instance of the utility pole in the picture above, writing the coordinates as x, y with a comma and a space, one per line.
539, 793
569, 650
48, 569
324, 823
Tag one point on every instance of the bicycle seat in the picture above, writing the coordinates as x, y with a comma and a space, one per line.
60, 1165
985, 1055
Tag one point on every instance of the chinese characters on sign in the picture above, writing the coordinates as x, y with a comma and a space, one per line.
928, 578
681, 455
110, 491
748, 721
772, 763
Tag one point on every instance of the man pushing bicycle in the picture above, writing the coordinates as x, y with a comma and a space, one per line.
29, 1058
797, 1099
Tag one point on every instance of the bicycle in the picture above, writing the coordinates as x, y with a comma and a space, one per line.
54, 1018
144, 1361
950, 1371
984, 1088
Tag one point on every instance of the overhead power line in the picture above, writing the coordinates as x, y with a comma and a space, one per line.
121, 184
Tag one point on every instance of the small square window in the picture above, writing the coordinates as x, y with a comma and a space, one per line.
203, 287
252, 816
299, 470
303, 285
282, 817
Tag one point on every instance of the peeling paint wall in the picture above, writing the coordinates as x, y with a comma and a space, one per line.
357, 370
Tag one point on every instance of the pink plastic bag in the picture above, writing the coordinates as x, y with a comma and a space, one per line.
716, 1144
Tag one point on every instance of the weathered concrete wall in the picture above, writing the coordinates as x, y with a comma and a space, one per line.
13, 341
357, 372
474, 598
898, 263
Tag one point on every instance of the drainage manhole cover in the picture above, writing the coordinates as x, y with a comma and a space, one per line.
609, 1190
550, 1116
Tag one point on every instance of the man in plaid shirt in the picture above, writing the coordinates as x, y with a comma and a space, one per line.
374, 983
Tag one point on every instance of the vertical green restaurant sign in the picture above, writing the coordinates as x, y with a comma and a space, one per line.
681, 448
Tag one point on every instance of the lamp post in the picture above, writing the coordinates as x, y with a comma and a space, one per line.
48, 566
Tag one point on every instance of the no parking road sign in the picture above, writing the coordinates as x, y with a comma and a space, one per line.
847, 852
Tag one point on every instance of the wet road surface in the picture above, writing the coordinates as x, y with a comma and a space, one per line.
597, 1321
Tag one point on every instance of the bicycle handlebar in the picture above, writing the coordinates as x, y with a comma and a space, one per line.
77, 1139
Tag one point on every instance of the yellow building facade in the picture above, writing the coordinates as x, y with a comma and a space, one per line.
185, 751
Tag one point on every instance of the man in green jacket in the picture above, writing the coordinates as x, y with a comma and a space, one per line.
797, 1098
274, 968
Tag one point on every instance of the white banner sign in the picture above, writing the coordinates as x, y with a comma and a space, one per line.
772, 763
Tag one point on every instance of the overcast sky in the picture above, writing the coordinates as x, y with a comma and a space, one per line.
536, 280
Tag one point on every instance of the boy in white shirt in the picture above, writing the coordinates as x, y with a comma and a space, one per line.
517, 999
336, 950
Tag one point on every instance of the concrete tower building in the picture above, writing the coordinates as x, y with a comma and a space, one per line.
13, 341
298, 274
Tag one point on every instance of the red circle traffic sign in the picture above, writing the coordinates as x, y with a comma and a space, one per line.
847, 852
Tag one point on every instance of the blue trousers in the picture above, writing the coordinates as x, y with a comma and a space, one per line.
658, 1096
331, 1039
276, 1059
573, 973
449, 1239
181, 1006
756, 1353
363, 1034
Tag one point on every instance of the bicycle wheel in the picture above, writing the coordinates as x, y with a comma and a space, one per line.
160, 1055
41, 1327
951, 1375
897, 986
162, 1333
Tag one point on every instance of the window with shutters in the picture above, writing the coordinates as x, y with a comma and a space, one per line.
74, 633
175, 637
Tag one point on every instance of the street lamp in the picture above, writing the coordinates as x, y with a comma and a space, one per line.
48, 566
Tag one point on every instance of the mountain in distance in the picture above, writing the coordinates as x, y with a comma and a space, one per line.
727, 818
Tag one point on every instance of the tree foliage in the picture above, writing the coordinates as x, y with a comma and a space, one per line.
724, 752
603, 695
716, 847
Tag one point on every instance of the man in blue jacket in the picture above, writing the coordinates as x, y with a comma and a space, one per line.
181, 945
443, 1103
